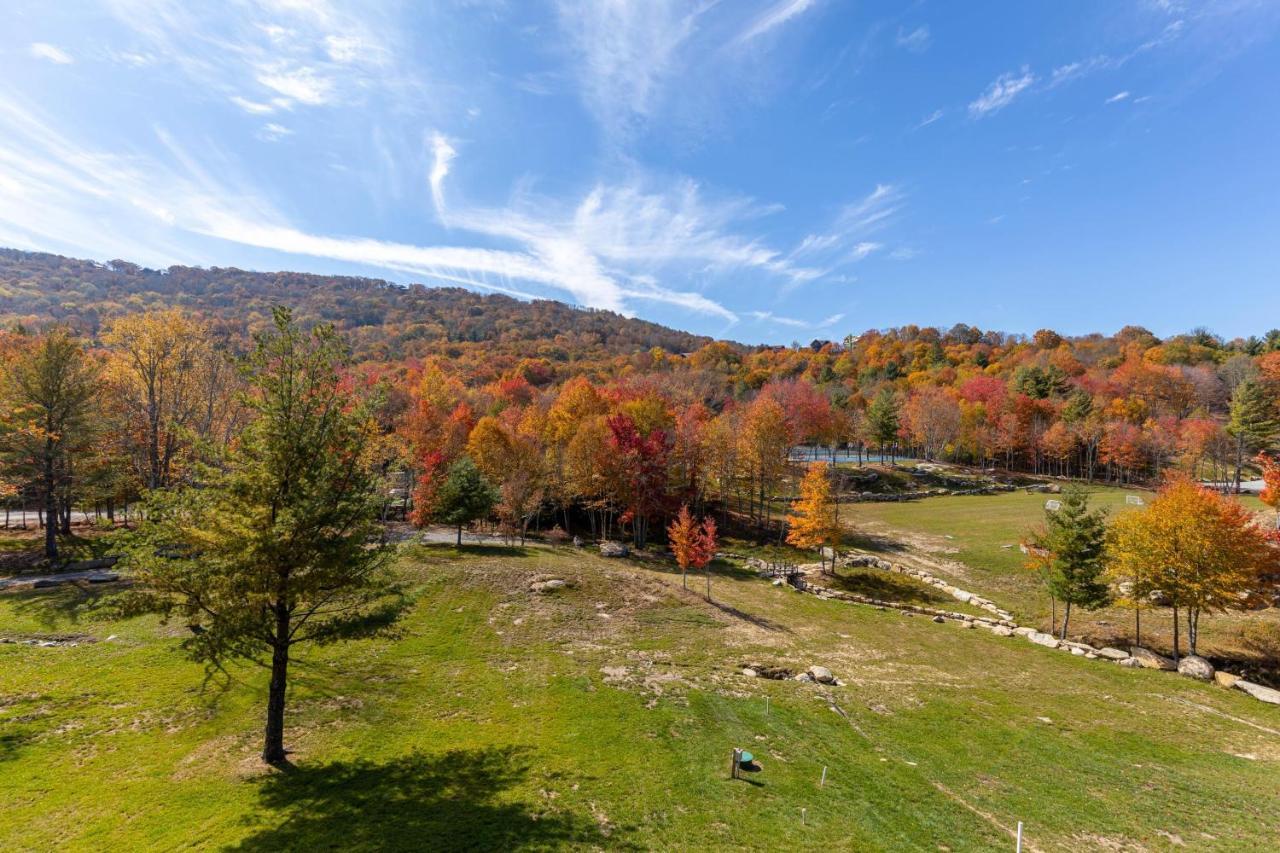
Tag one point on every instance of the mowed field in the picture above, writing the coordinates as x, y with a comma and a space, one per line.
601, 717
975, 539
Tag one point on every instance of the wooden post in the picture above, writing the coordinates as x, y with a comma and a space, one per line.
737, 760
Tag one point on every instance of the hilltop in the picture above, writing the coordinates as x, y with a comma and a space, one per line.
380, 318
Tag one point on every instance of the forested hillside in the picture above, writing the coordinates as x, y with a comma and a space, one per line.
1124, 407
381, 319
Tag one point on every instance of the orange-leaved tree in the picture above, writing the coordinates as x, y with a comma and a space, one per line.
1271, 477
1198, 549
813, 522
693, 543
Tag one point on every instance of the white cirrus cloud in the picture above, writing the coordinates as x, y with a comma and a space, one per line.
272, 132
625, 53
617, 246
1117, 97
442, 154
51, 53
930, 119
1001, 92
774, 17
253, 107
299, 83
916, 41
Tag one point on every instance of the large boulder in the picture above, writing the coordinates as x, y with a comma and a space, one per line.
1112, 654
614, 549
549, 585
1225, 679
1002, 631
1194, 666
1042, 639
821, 674
1257, 691
1150, 660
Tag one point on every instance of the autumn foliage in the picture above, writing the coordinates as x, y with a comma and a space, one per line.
1192, 548
693, 543
813, 523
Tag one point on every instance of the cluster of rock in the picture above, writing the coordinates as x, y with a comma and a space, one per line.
51, 642
51, 581
961, 595
1191, 666
918, 494
814, 674
545, 585
1002, 625
939, 615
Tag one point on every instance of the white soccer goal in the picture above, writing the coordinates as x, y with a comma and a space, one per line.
1133, 500
1053, 506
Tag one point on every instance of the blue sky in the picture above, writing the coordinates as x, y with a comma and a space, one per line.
765, 170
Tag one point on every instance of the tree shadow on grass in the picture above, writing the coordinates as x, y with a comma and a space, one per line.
874, 583
872, 542
758, 621
72, 603
455, 800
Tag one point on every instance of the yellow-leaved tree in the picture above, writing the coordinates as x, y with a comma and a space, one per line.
813, 522
1198, 550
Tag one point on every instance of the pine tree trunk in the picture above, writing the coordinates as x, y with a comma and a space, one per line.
1066, 617
459, 535
273, 747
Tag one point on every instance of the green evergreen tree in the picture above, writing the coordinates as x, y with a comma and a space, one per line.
1079, 406
280, 546
883, 419
1074, 545
465, 496
1253, 423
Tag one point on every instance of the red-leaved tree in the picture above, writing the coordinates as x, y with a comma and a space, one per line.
643, 458
693, 543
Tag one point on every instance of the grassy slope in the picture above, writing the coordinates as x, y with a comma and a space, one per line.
974, 530
491, 722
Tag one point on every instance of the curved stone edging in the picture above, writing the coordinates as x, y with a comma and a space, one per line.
1004, 626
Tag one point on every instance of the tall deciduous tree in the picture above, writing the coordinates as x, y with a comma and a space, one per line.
1070, 551
813, 522
693, 543
49, 390
170, 385
1271, 477
1199, 549
281, 546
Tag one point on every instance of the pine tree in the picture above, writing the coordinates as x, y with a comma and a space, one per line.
812, 523
1253, 422
281, 546
1071, 549
883, 420
464, 496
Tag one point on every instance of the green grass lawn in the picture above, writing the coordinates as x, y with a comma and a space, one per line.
982, 532
602, 717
